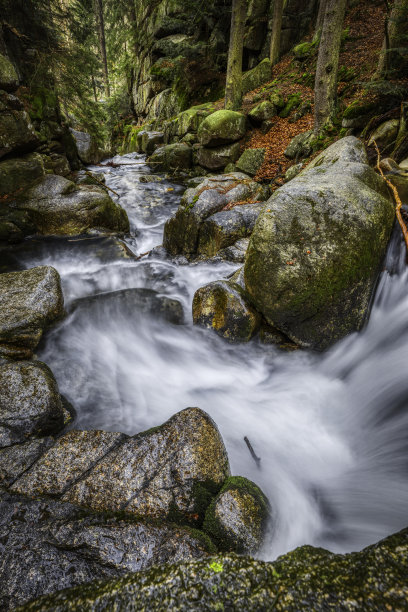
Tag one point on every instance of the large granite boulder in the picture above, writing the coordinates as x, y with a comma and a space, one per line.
29, 302
222, 127
252, 79
48, 545
88, 150
16, 459
305, 579
217, 158
30, 403
173, 157
59, 207
316, 250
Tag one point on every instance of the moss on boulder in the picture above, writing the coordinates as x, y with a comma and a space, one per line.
8, 74
222, 127
257, 76
251, 160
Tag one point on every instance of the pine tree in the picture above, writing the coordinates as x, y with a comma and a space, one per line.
274, 54
233, 90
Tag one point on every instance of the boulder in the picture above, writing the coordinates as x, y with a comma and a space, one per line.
170, 471
221, 127
59, 207
226, 227
8, 75
251, 160
29, 302
293, 171
293, 102
190, 120
262, 112
300, 146
307, 578
147, 141
30, 404
400, 181
176, 156
217, 158
17, 174
16, 459
252, 79
316, 250
88, 150
17, 134
385, 134
48, 545
236, 252
223, 307
237, 518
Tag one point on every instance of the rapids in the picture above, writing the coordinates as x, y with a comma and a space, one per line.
331, 429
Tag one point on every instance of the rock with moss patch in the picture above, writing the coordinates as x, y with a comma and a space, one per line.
224, 307
177, 156
17, 133
262, 112
251, 160
17, 174
358, 113
88, 150
222, 127
385, 134
29, 302
237, 518
293, 102
16, 459
30, 404
293, 171
257, 76
149, 141
305, 579
8, 74
217, 158
316, 250
59, 207
300, 146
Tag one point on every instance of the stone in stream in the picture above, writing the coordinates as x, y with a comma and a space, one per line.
30, 403
147, 141
58, 206
48, 545
307, 578
236, 252
223, 307
176, 156
316, 250
88, 150
29, 302
237, 518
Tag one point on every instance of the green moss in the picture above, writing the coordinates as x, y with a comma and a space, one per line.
359, 108
292, 103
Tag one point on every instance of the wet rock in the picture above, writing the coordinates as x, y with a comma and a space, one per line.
69, 459
316, 250
59, 207
88, 150
84, 177
257, 76
17, 174
222, 127
223, 307
300, 146
29, 302
251, 160
30, 403
226, 227
217, 158
129, 302
150, 178
16, 459
8, 74
165, 472
237, 518
176, 156
49, 545
262, 112
235, 252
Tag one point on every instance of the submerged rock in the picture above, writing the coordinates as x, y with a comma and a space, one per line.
223, 307
305, 579
48, 545
29, 302
30, 403
237, 518
316, 250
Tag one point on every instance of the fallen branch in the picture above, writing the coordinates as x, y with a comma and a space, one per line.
396, 197
115, 165
253, 455
142, 255
101, 183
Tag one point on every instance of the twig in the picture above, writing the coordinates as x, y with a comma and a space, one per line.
101, 183
396, 197
253, 455
142, 255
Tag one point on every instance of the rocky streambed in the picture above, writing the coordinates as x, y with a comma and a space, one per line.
116, 475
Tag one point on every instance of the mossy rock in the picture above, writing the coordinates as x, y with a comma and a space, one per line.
293, 102
8, 74
251, 160
262, 112
177, 156
17, 174
217, 158
222, 127
305, 50
252, 79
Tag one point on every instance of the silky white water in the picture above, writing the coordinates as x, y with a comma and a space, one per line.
331, 429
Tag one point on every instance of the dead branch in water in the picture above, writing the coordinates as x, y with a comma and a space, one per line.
253, 455
396, 197
101, 183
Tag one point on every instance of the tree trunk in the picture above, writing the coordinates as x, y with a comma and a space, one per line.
94, 88
320, 17
396, 32
274, 54
328, 64
98, 7
233, 89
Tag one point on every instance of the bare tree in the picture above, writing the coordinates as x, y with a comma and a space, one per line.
98, 8
233, 89
328, 64
274, 54
395, 38
320, 17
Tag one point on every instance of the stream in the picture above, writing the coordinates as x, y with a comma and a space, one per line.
331, 429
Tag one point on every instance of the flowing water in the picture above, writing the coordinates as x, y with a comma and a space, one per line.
331, 429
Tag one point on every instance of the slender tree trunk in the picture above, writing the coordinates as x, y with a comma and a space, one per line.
328, 64
233, 89
98, 7
320, 17
395, 38
274, 54
94, 88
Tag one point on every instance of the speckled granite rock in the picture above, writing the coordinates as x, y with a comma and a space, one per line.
29, 302
71, 457
30, 403
308, 578
16, 459
163, 472
47, 545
